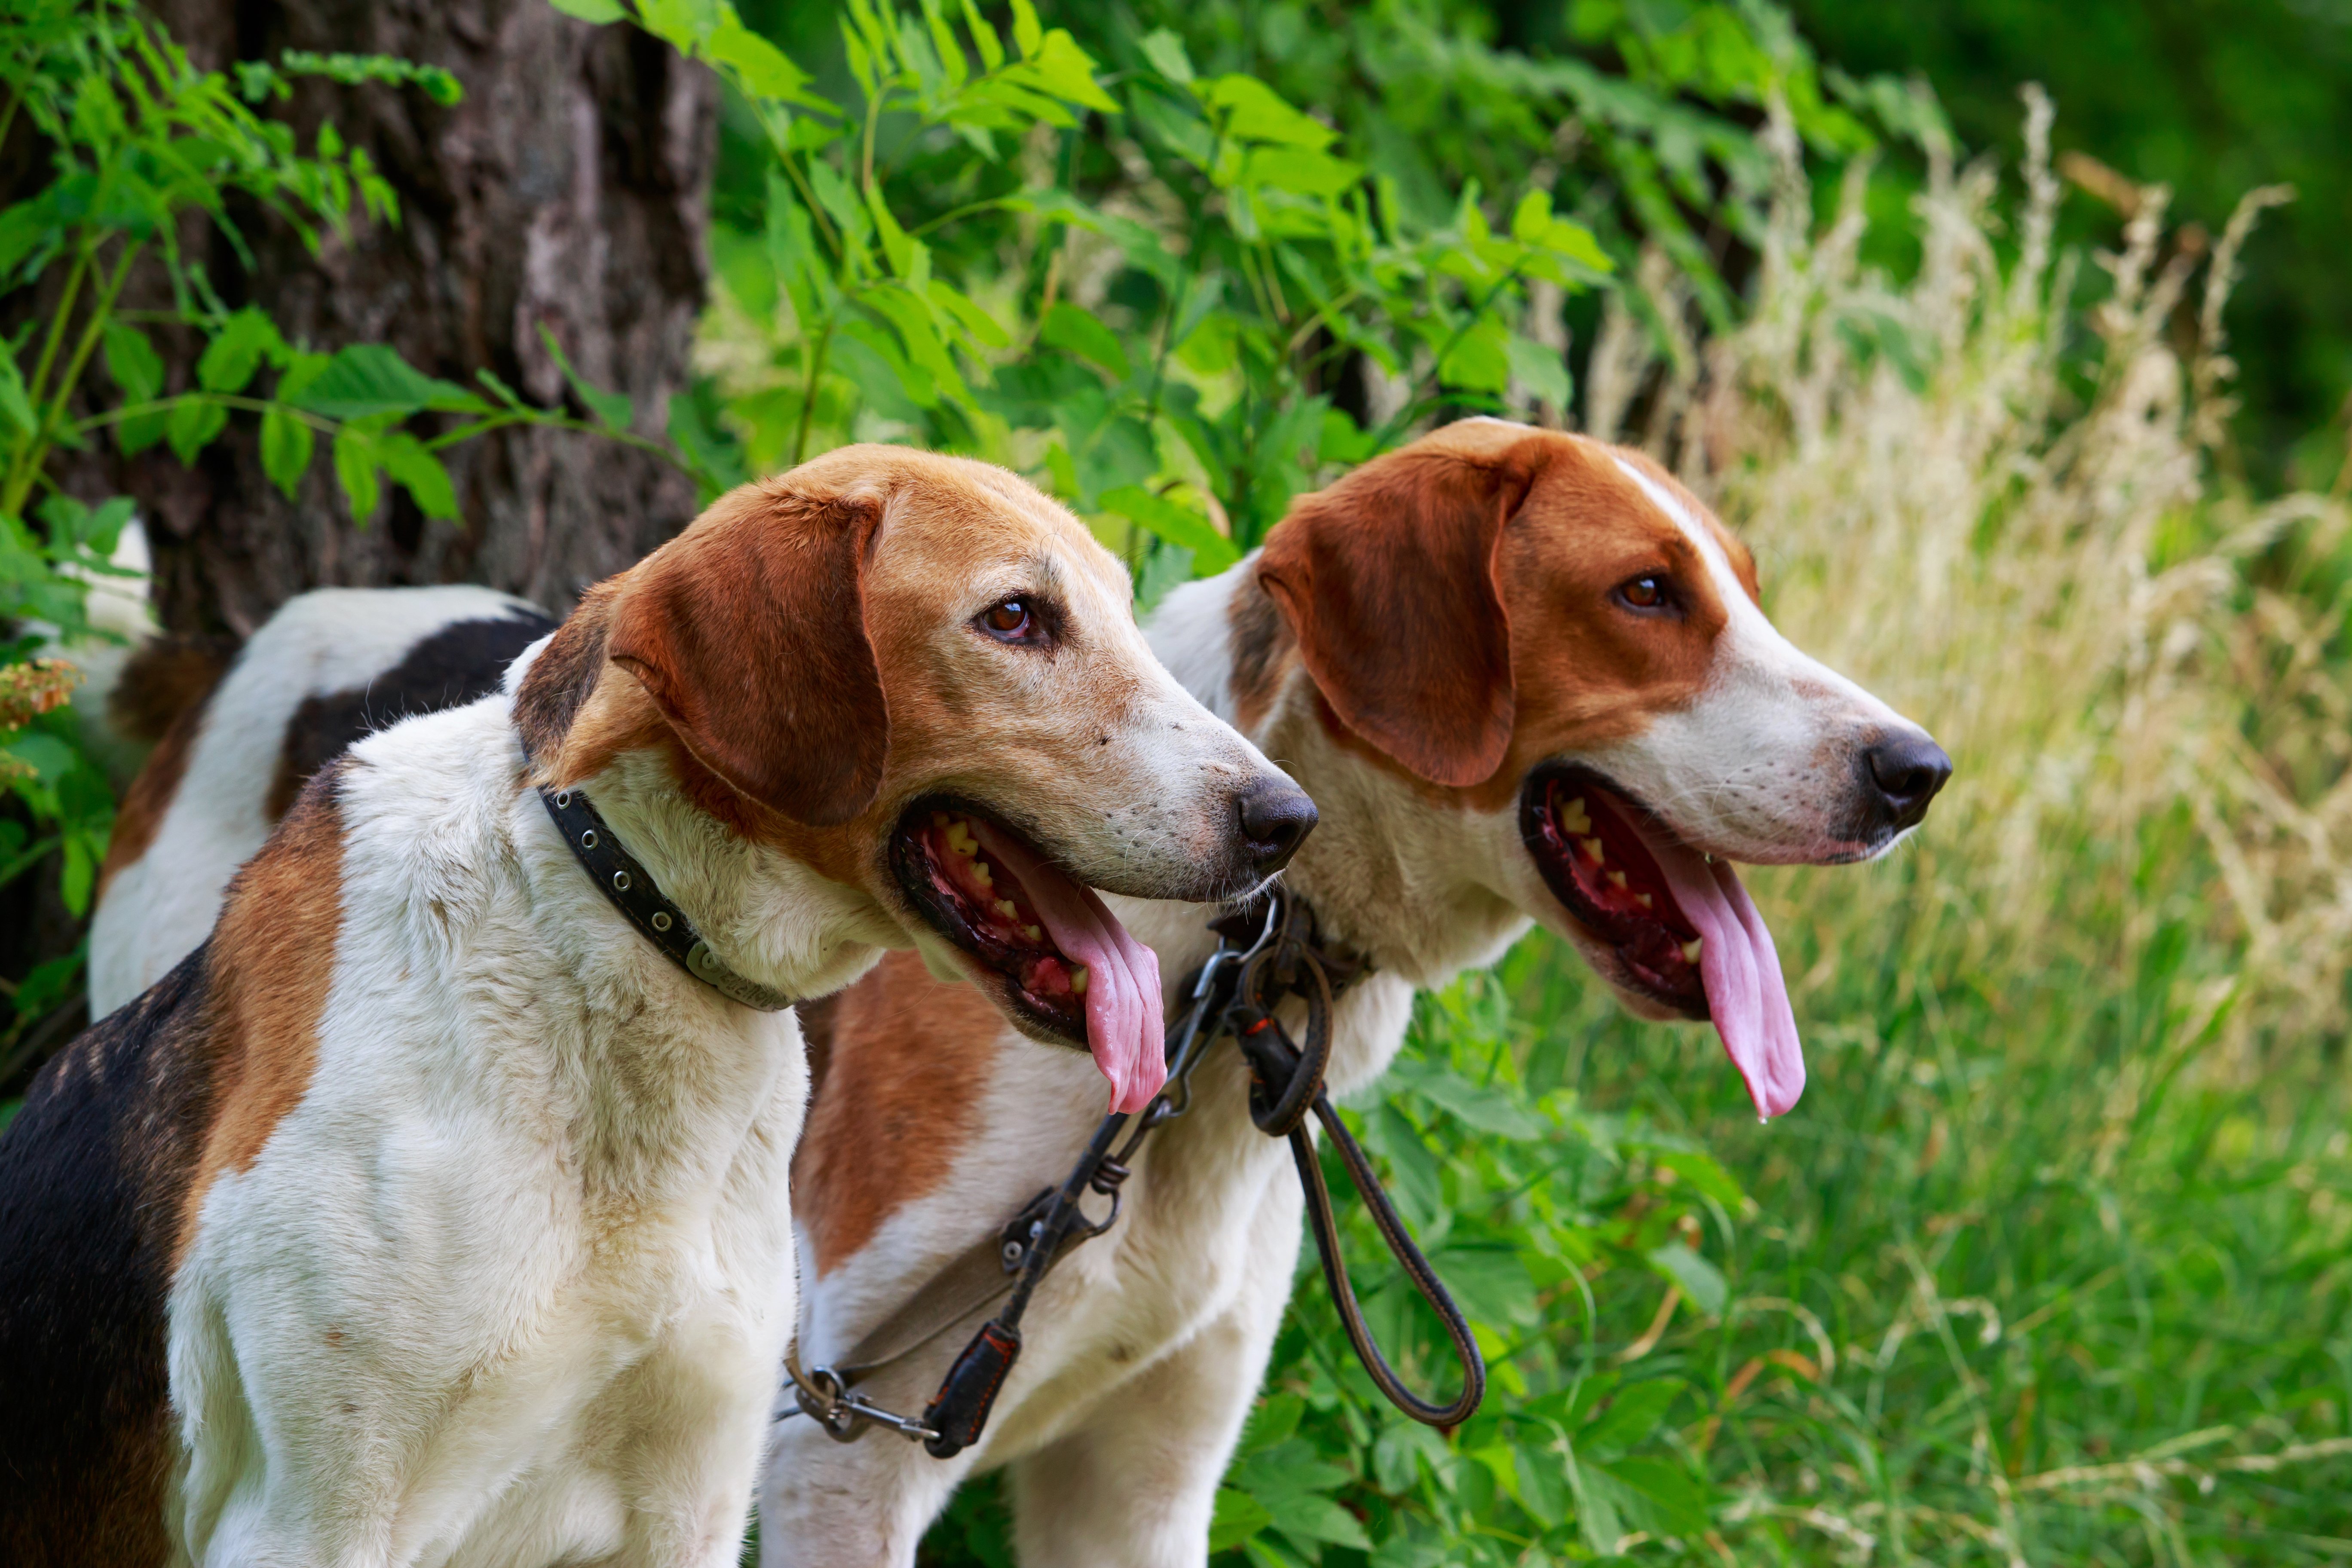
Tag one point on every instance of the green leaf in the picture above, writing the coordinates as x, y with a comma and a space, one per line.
761, 67
1026, 34
14, 406
983, 38
1166, 52
420, 473
1539, 370
50, 758
1478, 360
1637, 1412
1069, 72
596, 11
1304, 170
1486, 1108
1542, 1486
1274, 1422
1596, 1506
1211, 550
1702, 1171
192, 424
286, 446
370, 379
236, 353
1256, 113
132, 362
356, 461
1075, 331
1238, 1517
1315, 1518
1700, 1279
1664, 1500
685, 24
1394, 1455
613, 410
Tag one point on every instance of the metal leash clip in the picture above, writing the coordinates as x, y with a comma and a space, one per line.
826, 1399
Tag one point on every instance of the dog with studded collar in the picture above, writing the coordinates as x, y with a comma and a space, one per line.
428, 1211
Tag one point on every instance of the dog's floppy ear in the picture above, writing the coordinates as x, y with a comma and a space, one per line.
748, 632
1387, 582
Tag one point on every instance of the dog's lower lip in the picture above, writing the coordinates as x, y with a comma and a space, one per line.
984, 911
1578, 829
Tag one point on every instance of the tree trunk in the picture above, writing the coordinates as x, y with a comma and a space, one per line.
569, 190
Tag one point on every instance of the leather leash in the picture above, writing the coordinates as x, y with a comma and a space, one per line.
1234, 994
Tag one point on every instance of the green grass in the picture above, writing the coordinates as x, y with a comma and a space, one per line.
2015, 1282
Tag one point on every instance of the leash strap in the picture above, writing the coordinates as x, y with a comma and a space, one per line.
1234, 992
631, 889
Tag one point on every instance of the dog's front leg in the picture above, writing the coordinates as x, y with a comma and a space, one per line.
865, 1504
1135, 1485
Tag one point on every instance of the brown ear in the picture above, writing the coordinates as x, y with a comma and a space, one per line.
1387, 582
748, 632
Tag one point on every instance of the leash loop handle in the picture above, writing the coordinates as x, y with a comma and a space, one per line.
1275, 1059
1409, 1257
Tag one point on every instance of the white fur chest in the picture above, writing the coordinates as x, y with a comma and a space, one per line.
509, 1282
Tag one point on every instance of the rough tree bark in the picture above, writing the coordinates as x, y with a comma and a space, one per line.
567, 189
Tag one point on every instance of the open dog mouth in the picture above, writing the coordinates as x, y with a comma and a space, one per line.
1047, 942
1679, 924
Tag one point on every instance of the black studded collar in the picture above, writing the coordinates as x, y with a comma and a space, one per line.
619, 877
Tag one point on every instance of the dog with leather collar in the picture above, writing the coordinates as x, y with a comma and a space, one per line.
1526, 678
435, 1208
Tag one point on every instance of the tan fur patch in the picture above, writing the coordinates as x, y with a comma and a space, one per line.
272, 955
905, 1057
162, 681
140, 815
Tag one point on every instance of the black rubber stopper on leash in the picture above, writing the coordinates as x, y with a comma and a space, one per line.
960, 1408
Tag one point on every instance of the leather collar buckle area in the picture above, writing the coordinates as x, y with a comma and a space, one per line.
619, 877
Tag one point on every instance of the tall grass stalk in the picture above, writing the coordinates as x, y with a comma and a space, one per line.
2053, 1263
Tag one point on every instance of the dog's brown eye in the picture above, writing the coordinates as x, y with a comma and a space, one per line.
1644, 594
1010, 621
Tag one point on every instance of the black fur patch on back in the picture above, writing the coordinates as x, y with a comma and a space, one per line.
93, 1178
461, 663
562, 676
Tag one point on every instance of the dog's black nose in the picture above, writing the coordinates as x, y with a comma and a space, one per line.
1276, 818
1902, 776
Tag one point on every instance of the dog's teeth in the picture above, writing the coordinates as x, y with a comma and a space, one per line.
1033, 933
1592, 847
1006, 907
1617, 879
1643, 900
982, 875
1078, 980
1572, 817
1690, 950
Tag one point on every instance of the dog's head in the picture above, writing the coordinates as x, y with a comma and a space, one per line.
922, 678
1551, 636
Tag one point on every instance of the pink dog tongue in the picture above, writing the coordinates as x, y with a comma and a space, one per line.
1736, 962
1122, 999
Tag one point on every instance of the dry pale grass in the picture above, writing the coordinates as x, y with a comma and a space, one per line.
2038, 564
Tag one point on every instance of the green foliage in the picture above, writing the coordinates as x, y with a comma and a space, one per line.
137, 139
1147, 292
